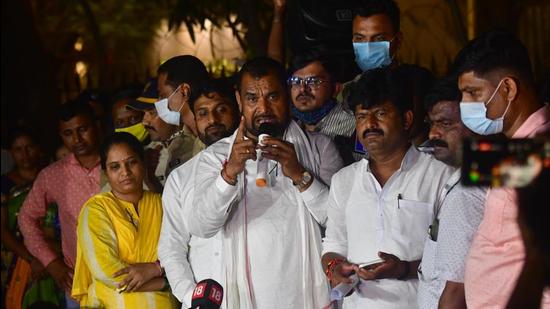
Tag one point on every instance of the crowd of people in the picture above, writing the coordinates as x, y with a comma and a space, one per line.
283, 184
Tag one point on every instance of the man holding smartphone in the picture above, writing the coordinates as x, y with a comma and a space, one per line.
381, 207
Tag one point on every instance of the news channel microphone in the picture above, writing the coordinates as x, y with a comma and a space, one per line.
265, 130
208, 294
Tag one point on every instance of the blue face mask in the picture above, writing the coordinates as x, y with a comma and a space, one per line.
474, 116
371, 55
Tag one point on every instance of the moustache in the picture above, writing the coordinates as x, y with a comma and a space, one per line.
368, 131
215, 126
263, 116
150, 128
438, 143
305, 95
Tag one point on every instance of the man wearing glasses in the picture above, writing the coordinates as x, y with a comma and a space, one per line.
313, 89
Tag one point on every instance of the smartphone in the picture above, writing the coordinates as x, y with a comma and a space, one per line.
500, 162
370, 263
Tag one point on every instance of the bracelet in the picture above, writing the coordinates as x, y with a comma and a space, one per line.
331, 265
226, 177
405, 273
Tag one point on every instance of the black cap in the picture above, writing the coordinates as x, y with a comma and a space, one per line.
147, 98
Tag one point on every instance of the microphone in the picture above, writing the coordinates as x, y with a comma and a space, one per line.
265, 130
208, 294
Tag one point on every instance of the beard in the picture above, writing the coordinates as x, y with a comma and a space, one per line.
213, 134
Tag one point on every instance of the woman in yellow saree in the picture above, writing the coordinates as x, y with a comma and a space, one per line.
118, 232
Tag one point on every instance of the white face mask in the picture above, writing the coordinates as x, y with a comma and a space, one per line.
168, 116
474, 116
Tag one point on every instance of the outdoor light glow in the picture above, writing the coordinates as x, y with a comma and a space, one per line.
79, 44
81, 69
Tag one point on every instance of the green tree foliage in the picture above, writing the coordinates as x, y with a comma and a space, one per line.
116, 34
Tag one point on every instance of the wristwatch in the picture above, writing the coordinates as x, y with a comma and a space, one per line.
306, 179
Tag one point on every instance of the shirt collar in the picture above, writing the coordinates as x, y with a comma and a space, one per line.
71, 159
410, 158
535, 121
324, 122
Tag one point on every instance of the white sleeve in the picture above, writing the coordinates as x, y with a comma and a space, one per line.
213, 197
336, 238
174, 239
316, 196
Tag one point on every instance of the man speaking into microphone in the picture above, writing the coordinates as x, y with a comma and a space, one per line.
271, 234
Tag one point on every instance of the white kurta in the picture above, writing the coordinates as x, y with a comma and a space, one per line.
186, 259
364, 218
271, 235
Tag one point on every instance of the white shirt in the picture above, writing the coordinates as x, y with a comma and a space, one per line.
186, 259
365, 218
445, 259
271, 235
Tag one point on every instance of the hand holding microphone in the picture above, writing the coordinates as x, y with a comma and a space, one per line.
282, 152
266, 130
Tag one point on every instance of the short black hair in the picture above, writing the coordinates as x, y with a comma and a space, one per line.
379, 85
19, 131
445, 89
128, 92
390, 8
71, 109
303, 59
94, 95
118, 138
221, 86
184, 69
260, 67
492, 51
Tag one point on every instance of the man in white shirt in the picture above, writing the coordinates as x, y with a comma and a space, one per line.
381, 207
271, 234
189, 259
458, 210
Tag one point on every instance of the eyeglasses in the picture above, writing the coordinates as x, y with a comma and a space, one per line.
311, 81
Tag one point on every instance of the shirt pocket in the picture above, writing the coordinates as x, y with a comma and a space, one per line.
413, 220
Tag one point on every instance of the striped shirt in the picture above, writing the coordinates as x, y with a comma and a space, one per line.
339, 125
338, 121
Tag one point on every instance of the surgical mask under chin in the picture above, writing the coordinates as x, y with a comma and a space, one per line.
371, 55
168, 116
137, 130
474, 116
